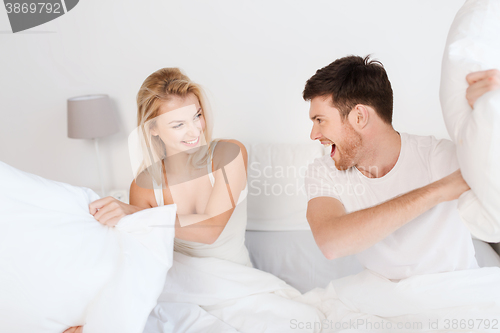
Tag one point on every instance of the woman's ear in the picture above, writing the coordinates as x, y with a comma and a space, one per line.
152, 129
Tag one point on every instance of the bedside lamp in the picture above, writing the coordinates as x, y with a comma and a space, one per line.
90, 117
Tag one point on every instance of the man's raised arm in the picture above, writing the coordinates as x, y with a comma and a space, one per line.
338, 234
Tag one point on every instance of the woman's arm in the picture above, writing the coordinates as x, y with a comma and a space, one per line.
109, 210
230, 180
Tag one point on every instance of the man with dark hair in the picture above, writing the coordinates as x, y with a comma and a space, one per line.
385, 196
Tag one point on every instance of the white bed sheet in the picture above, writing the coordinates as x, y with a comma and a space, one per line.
294, 257
213, 295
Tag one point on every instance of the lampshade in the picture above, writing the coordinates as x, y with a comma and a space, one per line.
90, 117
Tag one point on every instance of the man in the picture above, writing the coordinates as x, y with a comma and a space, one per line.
385, 196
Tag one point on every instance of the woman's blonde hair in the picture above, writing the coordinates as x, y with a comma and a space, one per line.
156, 89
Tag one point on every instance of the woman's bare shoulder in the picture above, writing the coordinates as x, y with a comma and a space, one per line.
142, 190
231, 143
228, 150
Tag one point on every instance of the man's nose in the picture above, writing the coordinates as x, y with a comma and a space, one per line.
315, 133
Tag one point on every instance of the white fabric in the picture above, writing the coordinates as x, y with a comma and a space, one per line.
209, 165
158, 189
210, 289
212, 295
230, 245
227, 296
59, 267
485, 254
473, 44
294, 257
436, 241
277, 199
458, 301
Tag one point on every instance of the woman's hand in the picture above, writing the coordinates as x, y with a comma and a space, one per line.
109, 211
480, 83
74, 329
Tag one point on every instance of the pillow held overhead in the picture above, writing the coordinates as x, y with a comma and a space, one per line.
473, 44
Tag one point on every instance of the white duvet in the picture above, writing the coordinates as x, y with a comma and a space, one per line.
466, 300
212, 295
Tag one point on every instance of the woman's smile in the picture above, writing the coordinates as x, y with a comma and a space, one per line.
191, 143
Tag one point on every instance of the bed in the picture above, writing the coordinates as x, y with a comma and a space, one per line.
295, 288
197, 293
278, 236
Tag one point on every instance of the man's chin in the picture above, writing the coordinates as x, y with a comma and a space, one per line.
341, 166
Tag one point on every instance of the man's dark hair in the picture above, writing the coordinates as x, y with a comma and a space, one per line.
350, 81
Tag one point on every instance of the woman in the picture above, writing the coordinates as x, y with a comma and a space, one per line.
181, 164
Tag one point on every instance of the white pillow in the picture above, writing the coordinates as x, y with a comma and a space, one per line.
276, 194
59, 267
474, 44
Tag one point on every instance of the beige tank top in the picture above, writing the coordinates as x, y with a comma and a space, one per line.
231, 242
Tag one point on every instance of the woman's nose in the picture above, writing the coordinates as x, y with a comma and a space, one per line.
194, 129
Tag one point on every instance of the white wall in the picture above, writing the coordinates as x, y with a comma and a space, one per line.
253, 57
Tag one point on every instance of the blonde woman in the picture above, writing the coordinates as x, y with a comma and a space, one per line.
181, 164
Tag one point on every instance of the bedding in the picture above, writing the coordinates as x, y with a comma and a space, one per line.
467, 300
473, 45
213, 295
227, 296
294, 257
59, 267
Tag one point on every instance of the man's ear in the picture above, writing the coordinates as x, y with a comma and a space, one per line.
359, 116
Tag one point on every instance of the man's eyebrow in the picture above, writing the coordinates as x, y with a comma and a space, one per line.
314, 117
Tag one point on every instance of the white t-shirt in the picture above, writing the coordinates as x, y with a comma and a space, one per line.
436, 241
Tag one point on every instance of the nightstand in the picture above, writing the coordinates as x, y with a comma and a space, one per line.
121, 195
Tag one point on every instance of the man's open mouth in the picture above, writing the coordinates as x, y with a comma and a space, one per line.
334, 147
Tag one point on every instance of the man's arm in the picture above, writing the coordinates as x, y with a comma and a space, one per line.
338, 234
